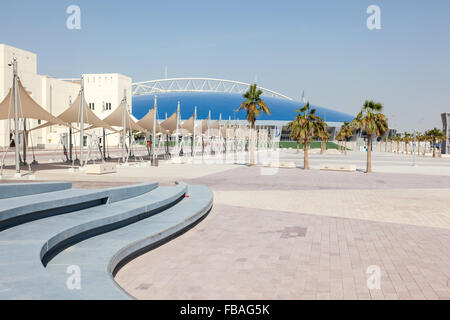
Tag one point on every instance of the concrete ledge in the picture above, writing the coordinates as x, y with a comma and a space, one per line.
102, 168
338, 167
288, 165
11, 190
120, 246
19, 210
23, 273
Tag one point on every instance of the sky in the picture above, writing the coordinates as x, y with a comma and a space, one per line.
321, 47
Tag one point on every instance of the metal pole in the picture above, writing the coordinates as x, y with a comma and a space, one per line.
104, 144
155, 108
176, 131
16, 115
193, 135
70, 134
220, 133
414, 159
81, 120
25, 141
124, 124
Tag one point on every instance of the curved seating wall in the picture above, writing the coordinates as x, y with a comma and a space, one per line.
128, 220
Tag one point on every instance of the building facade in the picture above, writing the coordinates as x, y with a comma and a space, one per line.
446, 129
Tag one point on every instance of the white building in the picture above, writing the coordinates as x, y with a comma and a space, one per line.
103, 93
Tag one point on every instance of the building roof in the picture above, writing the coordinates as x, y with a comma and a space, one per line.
226, 104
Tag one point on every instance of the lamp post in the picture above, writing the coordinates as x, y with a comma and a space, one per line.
16, 116
414, 157
70, 134
81, 121
124, 125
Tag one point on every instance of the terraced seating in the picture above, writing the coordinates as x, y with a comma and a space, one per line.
27, 243
11, 190
124, 244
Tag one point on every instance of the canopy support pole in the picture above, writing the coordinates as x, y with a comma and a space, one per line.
155, 108
124, 124
81, 121
16, 116
193, 135
104, 144
24, 141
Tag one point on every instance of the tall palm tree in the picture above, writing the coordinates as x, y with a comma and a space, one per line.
307, 126
407, 138
323, 136
294, 128
345, 133
373, 122
420, 138
254, 105
435, 135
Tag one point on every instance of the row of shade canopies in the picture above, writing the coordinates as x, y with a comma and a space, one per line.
30, 109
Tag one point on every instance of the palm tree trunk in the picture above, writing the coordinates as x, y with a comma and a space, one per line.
369, 154
434, 148
298, 147
252, 145
305, 156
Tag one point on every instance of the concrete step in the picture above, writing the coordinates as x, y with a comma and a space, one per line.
11, 190
122, 245
19, 210
24, 247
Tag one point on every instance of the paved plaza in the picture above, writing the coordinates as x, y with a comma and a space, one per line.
298, 234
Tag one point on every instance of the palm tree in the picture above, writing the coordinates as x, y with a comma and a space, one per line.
406, 139
373, 122
435, 135
294, 128
254, 105
398, 138
323, 136
420, 138
339, 137
306, 126
345, 133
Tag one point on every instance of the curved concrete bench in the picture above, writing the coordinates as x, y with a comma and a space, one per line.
120, 246
18, 210
23, 247
11, 190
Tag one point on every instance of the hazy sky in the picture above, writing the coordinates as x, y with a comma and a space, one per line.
323, 47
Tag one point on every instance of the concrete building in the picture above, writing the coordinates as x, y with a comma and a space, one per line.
446, 129
103, 93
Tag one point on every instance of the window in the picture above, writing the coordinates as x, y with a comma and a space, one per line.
107, 106
39, 121
92, 106
84, 141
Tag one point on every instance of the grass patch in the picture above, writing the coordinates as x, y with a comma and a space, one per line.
313, 145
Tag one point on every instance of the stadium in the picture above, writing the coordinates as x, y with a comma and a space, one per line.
221, 98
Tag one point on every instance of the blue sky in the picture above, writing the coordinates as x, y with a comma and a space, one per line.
322, 47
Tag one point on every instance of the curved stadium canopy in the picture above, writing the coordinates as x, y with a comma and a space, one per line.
225, 104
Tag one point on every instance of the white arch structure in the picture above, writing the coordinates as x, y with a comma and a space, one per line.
197, 85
